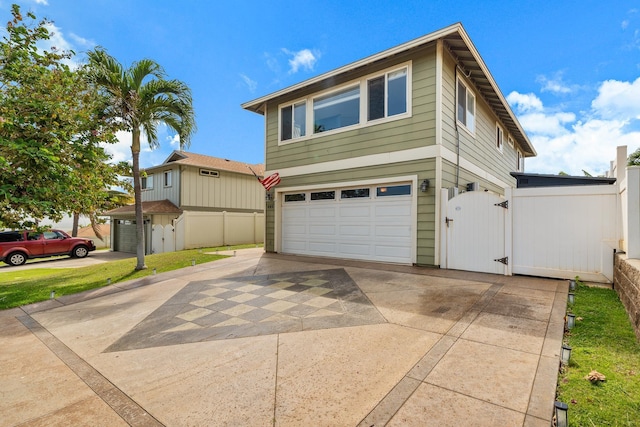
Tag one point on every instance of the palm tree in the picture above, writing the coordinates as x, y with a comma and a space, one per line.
140, 99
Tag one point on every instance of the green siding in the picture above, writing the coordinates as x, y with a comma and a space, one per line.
412, 132
424, 169
480, 149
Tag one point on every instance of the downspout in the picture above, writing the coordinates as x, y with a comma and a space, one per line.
455, 120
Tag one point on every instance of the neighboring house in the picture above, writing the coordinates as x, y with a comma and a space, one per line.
105, 231
364, 151
192, 200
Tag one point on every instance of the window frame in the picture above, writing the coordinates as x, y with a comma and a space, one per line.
499, 138
468, 93
362, 84
293, 106
167, 179
385, 75
145, 181
519, 161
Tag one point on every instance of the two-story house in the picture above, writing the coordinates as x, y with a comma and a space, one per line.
364, 150
191, 201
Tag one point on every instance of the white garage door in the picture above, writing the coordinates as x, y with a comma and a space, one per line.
368, 223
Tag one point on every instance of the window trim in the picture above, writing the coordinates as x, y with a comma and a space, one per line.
145, 180
468, 92
166, 183
519, 161
499, 138
360, 82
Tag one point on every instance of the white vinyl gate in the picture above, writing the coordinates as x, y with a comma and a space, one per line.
558, 232
475, 224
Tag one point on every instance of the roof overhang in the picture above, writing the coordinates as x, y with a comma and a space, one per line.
458, 43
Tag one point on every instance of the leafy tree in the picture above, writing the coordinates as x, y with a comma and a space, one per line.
634, 158
52, 126
140, 99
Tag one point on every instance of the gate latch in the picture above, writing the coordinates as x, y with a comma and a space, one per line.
504, 260
504, 204
448, 220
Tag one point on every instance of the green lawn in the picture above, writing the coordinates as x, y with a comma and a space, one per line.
28, 286
602, 340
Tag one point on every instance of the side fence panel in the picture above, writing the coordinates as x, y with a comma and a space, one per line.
565, 232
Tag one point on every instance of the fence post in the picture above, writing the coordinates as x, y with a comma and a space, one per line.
633, 212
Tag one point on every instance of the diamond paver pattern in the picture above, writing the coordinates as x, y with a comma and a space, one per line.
254, 305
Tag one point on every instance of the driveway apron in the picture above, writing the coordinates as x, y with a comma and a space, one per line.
271, 340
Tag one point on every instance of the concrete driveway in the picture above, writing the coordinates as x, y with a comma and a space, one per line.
271, 340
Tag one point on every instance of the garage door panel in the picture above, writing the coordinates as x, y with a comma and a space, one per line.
322, 230
377, 229
355, 211
324, 247
355, 249
393, 231
395, 210
316, 212
353, 230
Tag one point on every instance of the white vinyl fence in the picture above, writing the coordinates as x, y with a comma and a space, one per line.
205, 229
564, 232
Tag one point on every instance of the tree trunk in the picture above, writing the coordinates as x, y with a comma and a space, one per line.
137, 194
76, 219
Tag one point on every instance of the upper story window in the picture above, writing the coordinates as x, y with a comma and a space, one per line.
519, 161
499, 137
466, 107
387, 95
336, 110
383, 96
166, 176
293, 121
147, 182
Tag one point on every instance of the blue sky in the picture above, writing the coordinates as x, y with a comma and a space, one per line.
570, 69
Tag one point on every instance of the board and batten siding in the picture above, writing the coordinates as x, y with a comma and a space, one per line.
415, 131
159, 191
479, 148
426, 208
230, 191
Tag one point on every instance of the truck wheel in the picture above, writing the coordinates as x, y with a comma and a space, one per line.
80, 251
16, 258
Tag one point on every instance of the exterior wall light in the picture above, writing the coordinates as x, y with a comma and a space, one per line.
571, 321
566, 354
572, 298
424, 186
561, 412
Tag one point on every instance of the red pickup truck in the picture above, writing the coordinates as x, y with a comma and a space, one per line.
18, 246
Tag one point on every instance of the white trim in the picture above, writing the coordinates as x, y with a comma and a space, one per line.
500, 147
468, 91
413, 179
362, 84
421, 153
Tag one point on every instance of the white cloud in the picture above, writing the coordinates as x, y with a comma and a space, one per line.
58, 42
304, 58
524, 102
554, 84
81, 41
43, 2
120, 151
251, 84
618, 99
625, 24
572, 142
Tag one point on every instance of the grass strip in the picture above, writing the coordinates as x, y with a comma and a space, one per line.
22, 287
602, 340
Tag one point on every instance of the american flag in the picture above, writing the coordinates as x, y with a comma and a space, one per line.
271, 181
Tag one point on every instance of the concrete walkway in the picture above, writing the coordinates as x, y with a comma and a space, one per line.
271, 340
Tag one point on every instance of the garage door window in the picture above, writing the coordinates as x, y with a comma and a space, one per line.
355, 193
298, 197
395, 190
323, 195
